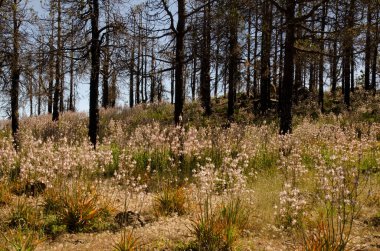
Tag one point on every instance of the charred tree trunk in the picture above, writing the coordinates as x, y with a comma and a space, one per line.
321, 58
255, 64
113, 89
106, 73
248, 63
172, 81
71, 90
138, 72
153, 77
179, 63
40, 82
15, 76
62, 84
146, 71
57, 66
334, 68
347, 51
375, 52
233, 60
216, 81
368, 44
275, 59
193, 81
51, 65
285, 102
94, 77
205, 89
265, 56
30, 92
131, 76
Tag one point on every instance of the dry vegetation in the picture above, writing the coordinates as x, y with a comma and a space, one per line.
151, 186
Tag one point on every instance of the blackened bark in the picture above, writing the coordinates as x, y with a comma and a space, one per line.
40, 82
352, 70
51, 65
30, 94
281, 59
62, 84
298, 65
138, 70
248, 64
113, 89
193, 81
57, 87
233, 60
368, 44
285, 102
106, 73
265, 56
94, 76
15, 78
153, 76
321, 58
71, 90
256, 42
172, 81
334, 63
334, 67
146, 71
375, 52
275, 59
216, 81
179, 63
131, 77
347, 51
160, 88
205, 89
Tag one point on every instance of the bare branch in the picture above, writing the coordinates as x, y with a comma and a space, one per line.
170, 15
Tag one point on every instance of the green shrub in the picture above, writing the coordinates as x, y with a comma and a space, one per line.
127, 242
77, 207
169, 201
219, 230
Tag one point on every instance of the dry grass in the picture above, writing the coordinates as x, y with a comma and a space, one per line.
287, 187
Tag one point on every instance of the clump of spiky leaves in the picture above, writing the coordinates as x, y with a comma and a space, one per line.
23, 215
320, 239
233, 217
127, 242
219, 229
206, 230
169, 201
5, 194
19, 240
77, 206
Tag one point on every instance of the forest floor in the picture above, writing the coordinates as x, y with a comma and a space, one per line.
210, 185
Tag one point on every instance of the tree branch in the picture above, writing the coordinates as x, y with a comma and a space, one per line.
170, 15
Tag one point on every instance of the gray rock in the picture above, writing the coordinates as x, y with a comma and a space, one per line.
129, 218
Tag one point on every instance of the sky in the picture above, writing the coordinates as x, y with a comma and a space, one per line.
82, 102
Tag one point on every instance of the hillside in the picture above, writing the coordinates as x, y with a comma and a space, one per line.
210, 185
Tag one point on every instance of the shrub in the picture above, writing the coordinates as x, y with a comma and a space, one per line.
127, 242
23, 215
320, 240
20, 240
206, 229
219, 230
5, 195
77, 207
169, 201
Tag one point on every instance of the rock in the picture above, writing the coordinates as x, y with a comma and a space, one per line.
129, 218
34, 188
375, 221
29, 188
